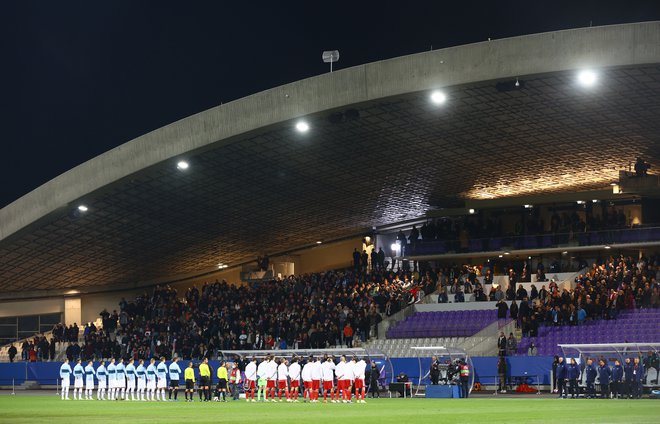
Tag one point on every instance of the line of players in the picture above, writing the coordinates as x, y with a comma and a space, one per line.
276, 376
119, 381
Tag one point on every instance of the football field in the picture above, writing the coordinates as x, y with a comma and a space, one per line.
43, 409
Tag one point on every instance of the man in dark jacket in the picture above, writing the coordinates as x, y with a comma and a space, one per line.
638, 377
434, 373
604, 375
628, 377
12, 353
590, 379
502, 309
617, 379
501, 372
561, 378
501, 344
573, 375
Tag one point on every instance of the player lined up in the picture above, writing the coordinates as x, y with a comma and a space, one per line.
272, 380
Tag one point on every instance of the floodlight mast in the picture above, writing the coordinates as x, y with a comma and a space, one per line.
330, 56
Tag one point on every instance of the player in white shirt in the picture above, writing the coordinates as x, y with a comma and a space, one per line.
328, 376
282, 375
112, 374
317, 374
272, 378
130, 380
120, 380
89, 380
151, 379
102, 376
358, 372
294, 377
141, 374
78, 374
161, 373
65, 375
306, 374
175, 375
349, 372
250, 380
343, 380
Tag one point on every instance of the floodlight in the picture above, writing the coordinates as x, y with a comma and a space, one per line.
302, 126
587, 78
438, 97
182, 165
83, 208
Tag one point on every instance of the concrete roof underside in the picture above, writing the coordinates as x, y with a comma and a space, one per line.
378, 151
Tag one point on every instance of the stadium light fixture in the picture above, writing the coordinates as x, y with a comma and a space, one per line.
182, 165
528, 206
302, 126
83, 208
471, 211
438, 97
587, 78
318, 242
501, 256
607, 247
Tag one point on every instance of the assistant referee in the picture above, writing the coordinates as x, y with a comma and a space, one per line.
204, 380
189, 376
222, 381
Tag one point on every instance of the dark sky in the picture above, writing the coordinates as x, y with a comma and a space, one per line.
81, 77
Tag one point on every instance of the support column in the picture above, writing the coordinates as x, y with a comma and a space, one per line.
72, 311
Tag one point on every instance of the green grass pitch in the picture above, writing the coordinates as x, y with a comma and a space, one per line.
43, 408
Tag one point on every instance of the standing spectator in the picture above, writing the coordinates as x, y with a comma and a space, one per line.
502, 309
51, 347
511, 345
513, 312
501, 344
12, 353
356, 260
348, 335
25, 351
628, 369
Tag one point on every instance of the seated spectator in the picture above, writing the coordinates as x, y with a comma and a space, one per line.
532, 351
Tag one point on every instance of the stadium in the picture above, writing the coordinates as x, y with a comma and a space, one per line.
458, 218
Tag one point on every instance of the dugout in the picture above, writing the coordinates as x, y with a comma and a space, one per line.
610, 352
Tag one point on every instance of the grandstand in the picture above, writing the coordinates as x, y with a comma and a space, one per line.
154, 259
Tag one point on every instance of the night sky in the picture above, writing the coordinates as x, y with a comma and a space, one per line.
81, 77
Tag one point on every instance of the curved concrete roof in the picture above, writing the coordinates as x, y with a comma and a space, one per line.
378, 91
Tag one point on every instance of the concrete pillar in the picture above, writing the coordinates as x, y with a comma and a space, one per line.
72, 310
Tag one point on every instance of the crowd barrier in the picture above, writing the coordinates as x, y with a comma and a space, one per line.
485, 368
